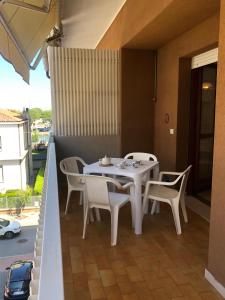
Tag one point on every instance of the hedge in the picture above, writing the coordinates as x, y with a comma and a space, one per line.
17, 193
38, 187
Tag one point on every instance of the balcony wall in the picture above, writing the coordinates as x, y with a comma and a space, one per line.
85, 102
216, 263
194, 41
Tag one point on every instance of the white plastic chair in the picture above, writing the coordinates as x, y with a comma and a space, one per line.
143, 156
163, 191
69, 166
140, 156
98, 196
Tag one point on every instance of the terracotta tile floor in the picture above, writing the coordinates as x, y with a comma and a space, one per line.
157, 265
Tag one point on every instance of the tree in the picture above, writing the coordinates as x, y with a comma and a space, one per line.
35, 113
46, 115
35, 136
38, 113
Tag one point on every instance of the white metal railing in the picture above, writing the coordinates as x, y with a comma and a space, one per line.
47, 274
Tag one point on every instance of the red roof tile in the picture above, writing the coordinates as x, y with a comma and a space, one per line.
9, 116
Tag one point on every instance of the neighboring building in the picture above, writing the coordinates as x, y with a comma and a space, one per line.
15, 151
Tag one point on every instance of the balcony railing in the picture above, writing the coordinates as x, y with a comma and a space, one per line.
47, 274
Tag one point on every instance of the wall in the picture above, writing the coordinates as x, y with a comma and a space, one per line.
194, 41
151, 24
131, 20
90, 149
10, 141
137, 106
216, 262
85, 87
24, 177
12, 175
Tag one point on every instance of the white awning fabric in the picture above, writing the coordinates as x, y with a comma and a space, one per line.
23, 31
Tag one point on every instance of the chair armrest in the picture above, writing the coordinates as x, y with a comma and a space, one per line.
118, 185
81, 176
127, 185
168, 173
71, 173
170, 183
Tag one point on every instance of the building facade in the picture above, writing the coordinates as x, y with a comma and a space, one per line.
15, 151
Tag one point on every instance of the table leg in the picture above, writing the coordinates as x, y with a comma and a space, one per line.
138, 205
156, 177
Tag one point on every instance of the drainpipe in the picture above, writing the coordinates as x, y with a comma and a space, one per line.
154, 99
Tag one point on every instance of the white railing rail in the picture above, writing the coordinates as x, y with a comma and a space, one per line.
47, 275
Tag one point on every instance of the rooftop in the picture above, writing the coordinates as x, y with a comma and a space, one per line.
10, 116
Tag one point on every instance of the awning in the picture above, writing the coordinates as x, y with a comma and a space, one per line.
24, 27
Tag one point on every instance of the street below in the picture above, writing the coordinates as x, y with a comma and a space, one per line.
21, 247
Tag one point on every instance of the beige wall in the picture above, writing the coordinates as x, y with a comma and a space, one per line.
216, 263
196, 40
131, 20
137, 107
149, 24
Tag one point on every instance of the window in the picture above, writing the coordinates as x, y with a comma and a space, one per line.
1, 174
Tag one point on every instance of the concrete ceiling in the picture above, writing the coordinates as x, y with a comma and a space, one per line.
85, 21
176, 18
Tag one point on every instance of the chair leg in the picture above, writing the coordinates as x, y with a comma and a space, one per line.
158, 207
176, 215
98, 216
81, 198
91, 215
67, 201
146, 208
184, 211
154, 207
85, 222
145, 205
132, 206
114, 225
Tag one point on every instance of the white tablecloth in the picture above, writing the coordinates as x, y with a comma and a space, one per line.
136, 174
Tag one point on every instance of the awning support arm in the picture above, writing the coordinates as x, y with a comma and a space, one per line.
43, 9
40, 55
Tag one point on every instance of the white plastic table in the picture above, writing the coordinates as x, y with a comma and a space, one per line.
136, 174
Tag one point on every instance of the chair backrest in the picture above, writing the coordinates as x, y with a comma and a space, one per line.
97, 190
69, 164
141, 156
69, 167
183, 184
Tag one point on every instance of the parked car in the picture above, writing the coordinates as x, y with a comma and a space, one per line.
18, 281
9, 228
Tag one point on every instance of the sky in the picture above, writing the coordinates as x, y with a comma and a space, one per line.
15, 93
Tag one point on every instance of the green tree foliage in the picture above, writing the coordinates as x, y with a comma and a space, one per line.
35, 136
37, 113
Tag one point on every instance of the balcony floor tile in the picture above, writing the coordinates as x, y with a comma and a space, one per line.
156, 265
